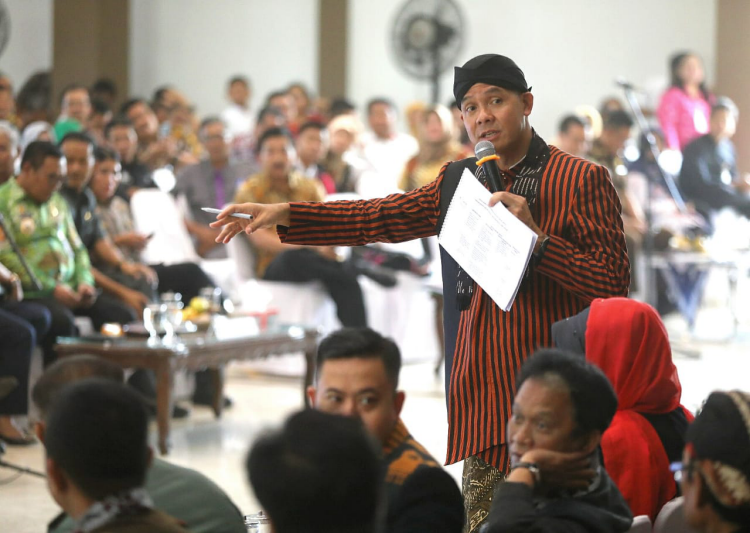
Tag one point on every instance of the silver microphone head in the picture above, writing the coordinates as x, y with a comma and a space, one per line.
484, 149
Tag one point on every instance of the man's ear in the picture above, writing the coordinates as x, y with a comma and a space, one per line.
311, 392
398, 402
39, 431
528, 103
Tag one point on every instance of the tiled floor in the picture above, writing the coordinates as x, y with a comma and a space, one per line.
217, 448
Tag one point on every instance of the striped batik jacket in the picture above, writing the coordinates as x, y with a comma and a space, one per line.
585, 258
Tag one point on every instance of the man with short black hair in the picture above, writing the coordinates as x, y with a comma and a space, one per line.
715, 473
40, 221
238, 116
311, 146
181, 492
557, 483
357, 372
130, 283
284, 102
709, 176
572, 136
385, 149
75, 104
120, 135
279, 262
320, 474
211, 183
97, 456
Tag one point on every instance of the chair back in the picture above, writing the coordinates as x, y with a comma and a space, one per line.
641, 524
156, 212
671, 518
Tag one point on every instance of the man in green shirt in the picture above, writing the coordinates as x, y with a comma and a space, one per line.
39, 220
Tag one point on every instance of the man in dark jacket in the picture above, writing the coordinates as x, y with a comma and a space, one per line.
562, 408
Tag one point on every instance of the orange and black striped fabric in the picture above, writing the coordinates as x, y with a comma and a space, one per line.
586, 258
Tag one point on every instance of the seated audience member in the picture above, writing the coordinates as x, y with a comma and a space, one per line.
342, 161
75, 104
180, 492
104, 90
357, 375
238, 116
8, 150
627, 340
384, 148
162, 100
128, 283
100, 116
414, 115
572, 136
436, 147
154, 149
244, 149
210, 183
709, 175
341, 106
114, 213
97, 456
36, 131
607, 151
320, 473
715, 474
121, 137
311, 147
303, 103
7, 101
562, 407
22, 325
284, 102
181, 126
40, 221
281, 262
34, 100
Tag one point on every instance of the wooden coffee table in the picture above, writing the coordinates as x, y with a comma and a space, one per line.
196, 352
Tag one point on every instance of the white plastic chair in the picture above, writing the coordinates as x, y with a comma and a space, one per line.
304, 303
671, 518
641, 524
156, 212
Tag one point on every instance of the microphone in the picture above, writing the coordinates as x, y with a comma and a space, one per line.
485, 153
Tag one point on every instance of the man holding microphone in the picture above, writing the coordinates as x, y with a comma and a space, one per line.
580, 255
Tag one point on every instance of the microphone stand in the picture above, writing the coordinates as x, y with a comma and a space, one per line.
34, 280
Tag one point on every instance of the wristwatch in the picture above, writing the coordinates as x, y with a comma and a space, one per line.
542, 248
531, 467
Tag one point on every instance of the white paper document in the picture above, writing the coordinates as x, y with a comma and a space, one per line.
489, 243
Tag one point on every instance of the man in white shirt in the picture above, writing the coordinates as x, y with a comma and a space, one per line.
238, 117
385, 149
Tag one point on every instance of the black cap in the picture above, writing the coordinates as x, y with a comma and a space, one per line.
492, 69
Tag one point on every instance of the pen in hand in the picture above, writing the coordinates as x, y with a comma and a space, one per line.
217, 211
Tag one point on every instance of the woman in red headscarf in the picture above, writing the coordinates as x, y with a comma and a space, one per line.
627, 340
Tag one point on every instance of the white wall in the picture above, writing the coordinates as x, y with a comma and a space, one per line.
197, 45
30, 47
570, 50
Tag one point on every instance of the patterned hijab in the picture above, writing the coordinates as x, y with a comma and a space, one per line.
721, 435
